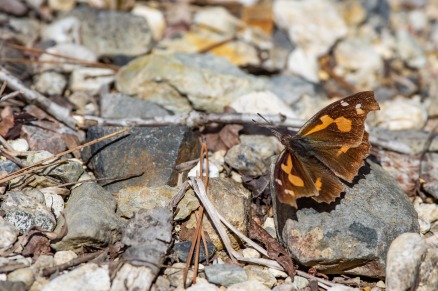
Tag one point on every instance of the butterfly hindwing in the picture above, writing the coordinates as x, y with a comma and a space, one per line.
340, 123
292, 180
344, 161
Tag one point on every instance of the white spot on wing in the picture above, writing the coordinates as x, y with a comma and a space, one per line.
278, 181
358, 106
343, 103
289, 192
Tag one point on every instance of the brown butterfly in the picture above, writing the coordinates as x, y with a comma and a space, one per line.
331, 146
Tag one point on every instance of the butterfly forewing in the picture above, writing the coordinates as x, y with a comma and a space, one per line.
340, 123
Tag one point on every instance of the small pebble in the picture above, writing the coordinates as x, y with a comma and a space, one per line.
19, 145
62, 257
250, 253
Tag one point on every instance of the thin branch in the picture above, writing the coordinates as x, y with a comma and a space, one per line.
10, 95
197, 119
31, 167
193, 119
33, 97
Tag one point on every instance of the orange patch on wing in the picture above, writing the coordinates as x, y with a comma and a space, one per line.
295, 180
344, 124
318, 183
342, 150
326, 121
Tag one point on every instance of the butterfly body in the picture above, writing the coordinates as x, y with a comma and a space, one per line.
330, 147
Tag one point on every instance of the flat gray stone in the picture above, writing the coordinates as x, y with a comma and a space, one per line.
91, 219
152, 151
117, 105
112, 33
225, 274
351, 235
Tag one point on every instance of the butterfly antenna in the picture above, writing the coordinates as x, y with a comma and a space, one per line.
274, 132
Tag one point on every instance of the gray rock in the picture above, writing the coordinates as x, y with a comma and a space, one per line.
68, 172
91, 219
181, 250
86, 277
112, 33
153, 151
148, 236
353, 234
12, 286
26, 209
412, 263
247, 160
159, 77
291, 88
131, 277
225, 274
202, 285
41, 139
8, 166
116, 105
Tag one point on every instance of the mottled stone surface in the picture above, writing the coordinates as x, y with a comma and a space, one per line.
353, 234
152, 151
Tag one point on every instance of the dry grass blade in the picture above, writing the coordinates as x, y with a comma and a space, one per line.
31, 167
199, 232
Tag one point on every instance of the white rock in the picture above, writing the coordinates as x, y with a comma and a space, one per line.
66, 49
418, 20
269, 226
400, 114
62, 5
87, 277
300, 282
213, 170
217, 18
264, 102
65, 30
50, 83
403, 262
62, 257
360, 63
201, 285
303, 64
409, 49
426, 212
8, 234
24, 275
342, 288
250, 253
19, 145
381, 284
277, 273
90, 80
154, 18
131, 277
54, 202
313, 25
251, 285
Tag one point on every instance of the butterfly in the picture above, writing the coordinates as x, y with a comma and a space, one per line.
330, 147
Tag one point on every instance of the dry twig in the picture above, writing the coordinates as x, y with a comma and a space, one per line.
33, 97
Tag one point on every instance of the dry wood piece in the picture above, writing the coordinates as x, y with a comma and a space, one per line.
275, 250
33, 97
